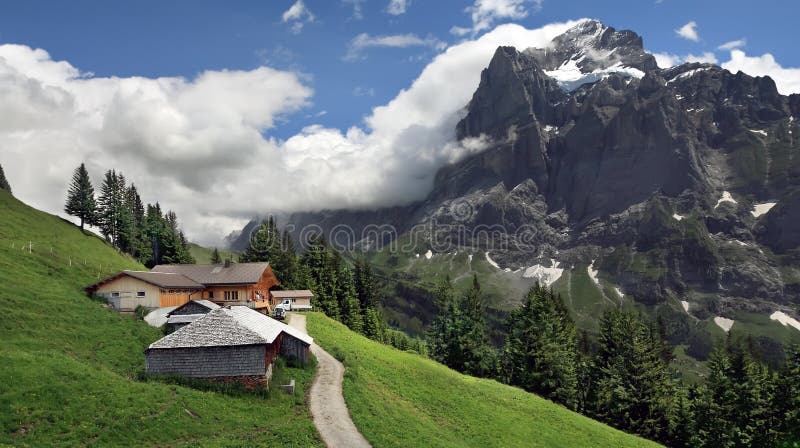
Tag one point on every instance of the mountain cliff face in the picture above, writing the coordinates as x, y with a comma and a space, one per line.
680, 186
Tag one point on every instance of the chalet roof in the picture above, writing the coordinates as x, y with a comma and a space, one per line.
183, 318
238, 325
292, 293
160, 279
217, 274
202, 302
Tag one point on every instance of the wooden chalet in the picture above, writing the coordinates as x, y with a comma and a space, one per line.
246, 284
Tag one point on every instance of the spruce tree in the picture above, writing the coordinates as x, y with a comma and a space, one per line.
215, 257
110, 206
262, 242
786, 400
80, 197
3, 181
477, 356
320, 270
540, 353
348, 302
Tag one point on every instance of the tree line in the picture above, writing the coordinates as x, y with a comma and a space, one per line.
623, 377
344, 290
144, 231
3, 181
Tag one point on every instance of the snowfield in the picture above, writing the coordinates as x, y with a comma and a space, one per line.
761, 209
491, 262
545, 275
569, 76
724, 323
678, 217
685, 305
726, 197
593, 273
785, 319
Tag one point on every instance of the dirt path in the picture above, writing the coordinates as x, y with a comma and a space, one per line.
328, 409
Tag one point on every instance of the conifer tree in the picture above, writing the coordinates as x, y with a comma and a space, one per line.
80, 197
321, 270
110, 206
215, 257
478, 357
541, 348
348, 302
786, 400
3, 181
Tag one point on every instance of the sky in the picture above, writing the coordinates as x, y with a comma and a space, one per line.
225, 110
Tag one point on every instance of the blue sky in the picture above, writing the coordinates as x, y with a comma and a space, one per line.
184, 38
224, 111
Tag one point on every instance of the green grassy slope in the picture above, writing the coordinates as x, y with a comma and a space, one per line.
68, 365
202, 255
400, 399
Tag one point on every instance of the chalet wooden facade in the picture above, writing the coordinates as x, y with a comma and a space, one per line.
246, 284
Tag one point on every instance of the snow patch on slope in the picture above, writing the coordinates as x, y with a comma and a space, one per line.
724, 323
490, 261
545, 275
685, 305
569, 76
726, 197
758, 131
593, 273
678, 217
428, 255
785, 319
761, 209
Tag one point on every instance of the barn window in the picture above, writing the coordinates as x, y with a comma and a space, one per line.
232, 295
115, 294
140, 294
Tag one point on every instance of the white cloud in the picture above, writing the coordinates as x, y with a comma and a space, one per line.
707, 58
787, 79
739, 43
688, 31
666, 60
358, 14
398, 7
357, 46
199, 147
485, 13
297, 15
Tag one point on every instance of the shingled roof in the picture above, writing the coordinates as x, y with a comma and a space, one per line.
292, 293
217, 274
238, 325
160, 279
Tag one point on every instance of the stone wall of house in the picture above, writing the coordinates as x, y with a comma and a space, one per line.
208, 362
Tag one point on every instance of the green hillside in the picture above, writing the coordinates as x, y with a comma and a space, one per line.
70, 366
202, 255
400, 399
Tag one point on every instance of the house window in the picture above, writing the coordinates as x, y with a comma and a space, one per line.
140, 294
231, 295
172, 291
115, 294
210, 294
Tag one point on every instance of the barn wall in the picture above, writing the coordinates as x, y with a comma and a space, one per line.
128, 287
207, 362
178, 297
293, 348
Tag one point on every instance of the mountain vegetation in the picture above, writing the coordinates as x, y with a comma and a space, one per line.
146, 233
3, 181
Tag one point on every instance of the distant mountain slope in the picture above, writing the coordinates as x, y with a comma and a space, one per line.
68, 365
400, 399
678, 185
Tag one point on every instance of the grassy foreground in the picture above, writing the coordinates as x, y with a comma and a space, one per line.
68, 365
400, 399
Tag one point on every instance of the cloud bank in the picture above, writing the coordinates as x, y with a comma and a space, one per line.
201, 146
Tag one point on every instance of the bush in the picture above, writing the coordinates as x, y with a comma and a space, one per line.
140, 312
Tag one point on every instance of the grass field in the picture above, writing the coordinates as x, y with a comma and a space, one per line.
400, 399
202, 255
69, 366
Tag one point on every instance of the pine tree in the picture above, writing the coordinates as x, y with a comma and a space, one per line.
540, 353
320, 271
110, 206
714, 407
633, 389
786, 400
3, 182
215, 257
348, 302
80, 197
262, 242
478, 357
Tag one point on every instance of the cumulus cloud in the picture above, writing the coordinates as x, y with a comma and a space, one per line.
201, 146
398, 7
485, 13
297, 15
787, 79
360, 43
707, 57
739, 43
688, 31
666, 60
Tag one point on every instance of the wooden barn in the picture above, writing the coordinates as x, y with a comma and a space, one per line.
237, 343
129, 289
298, 297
